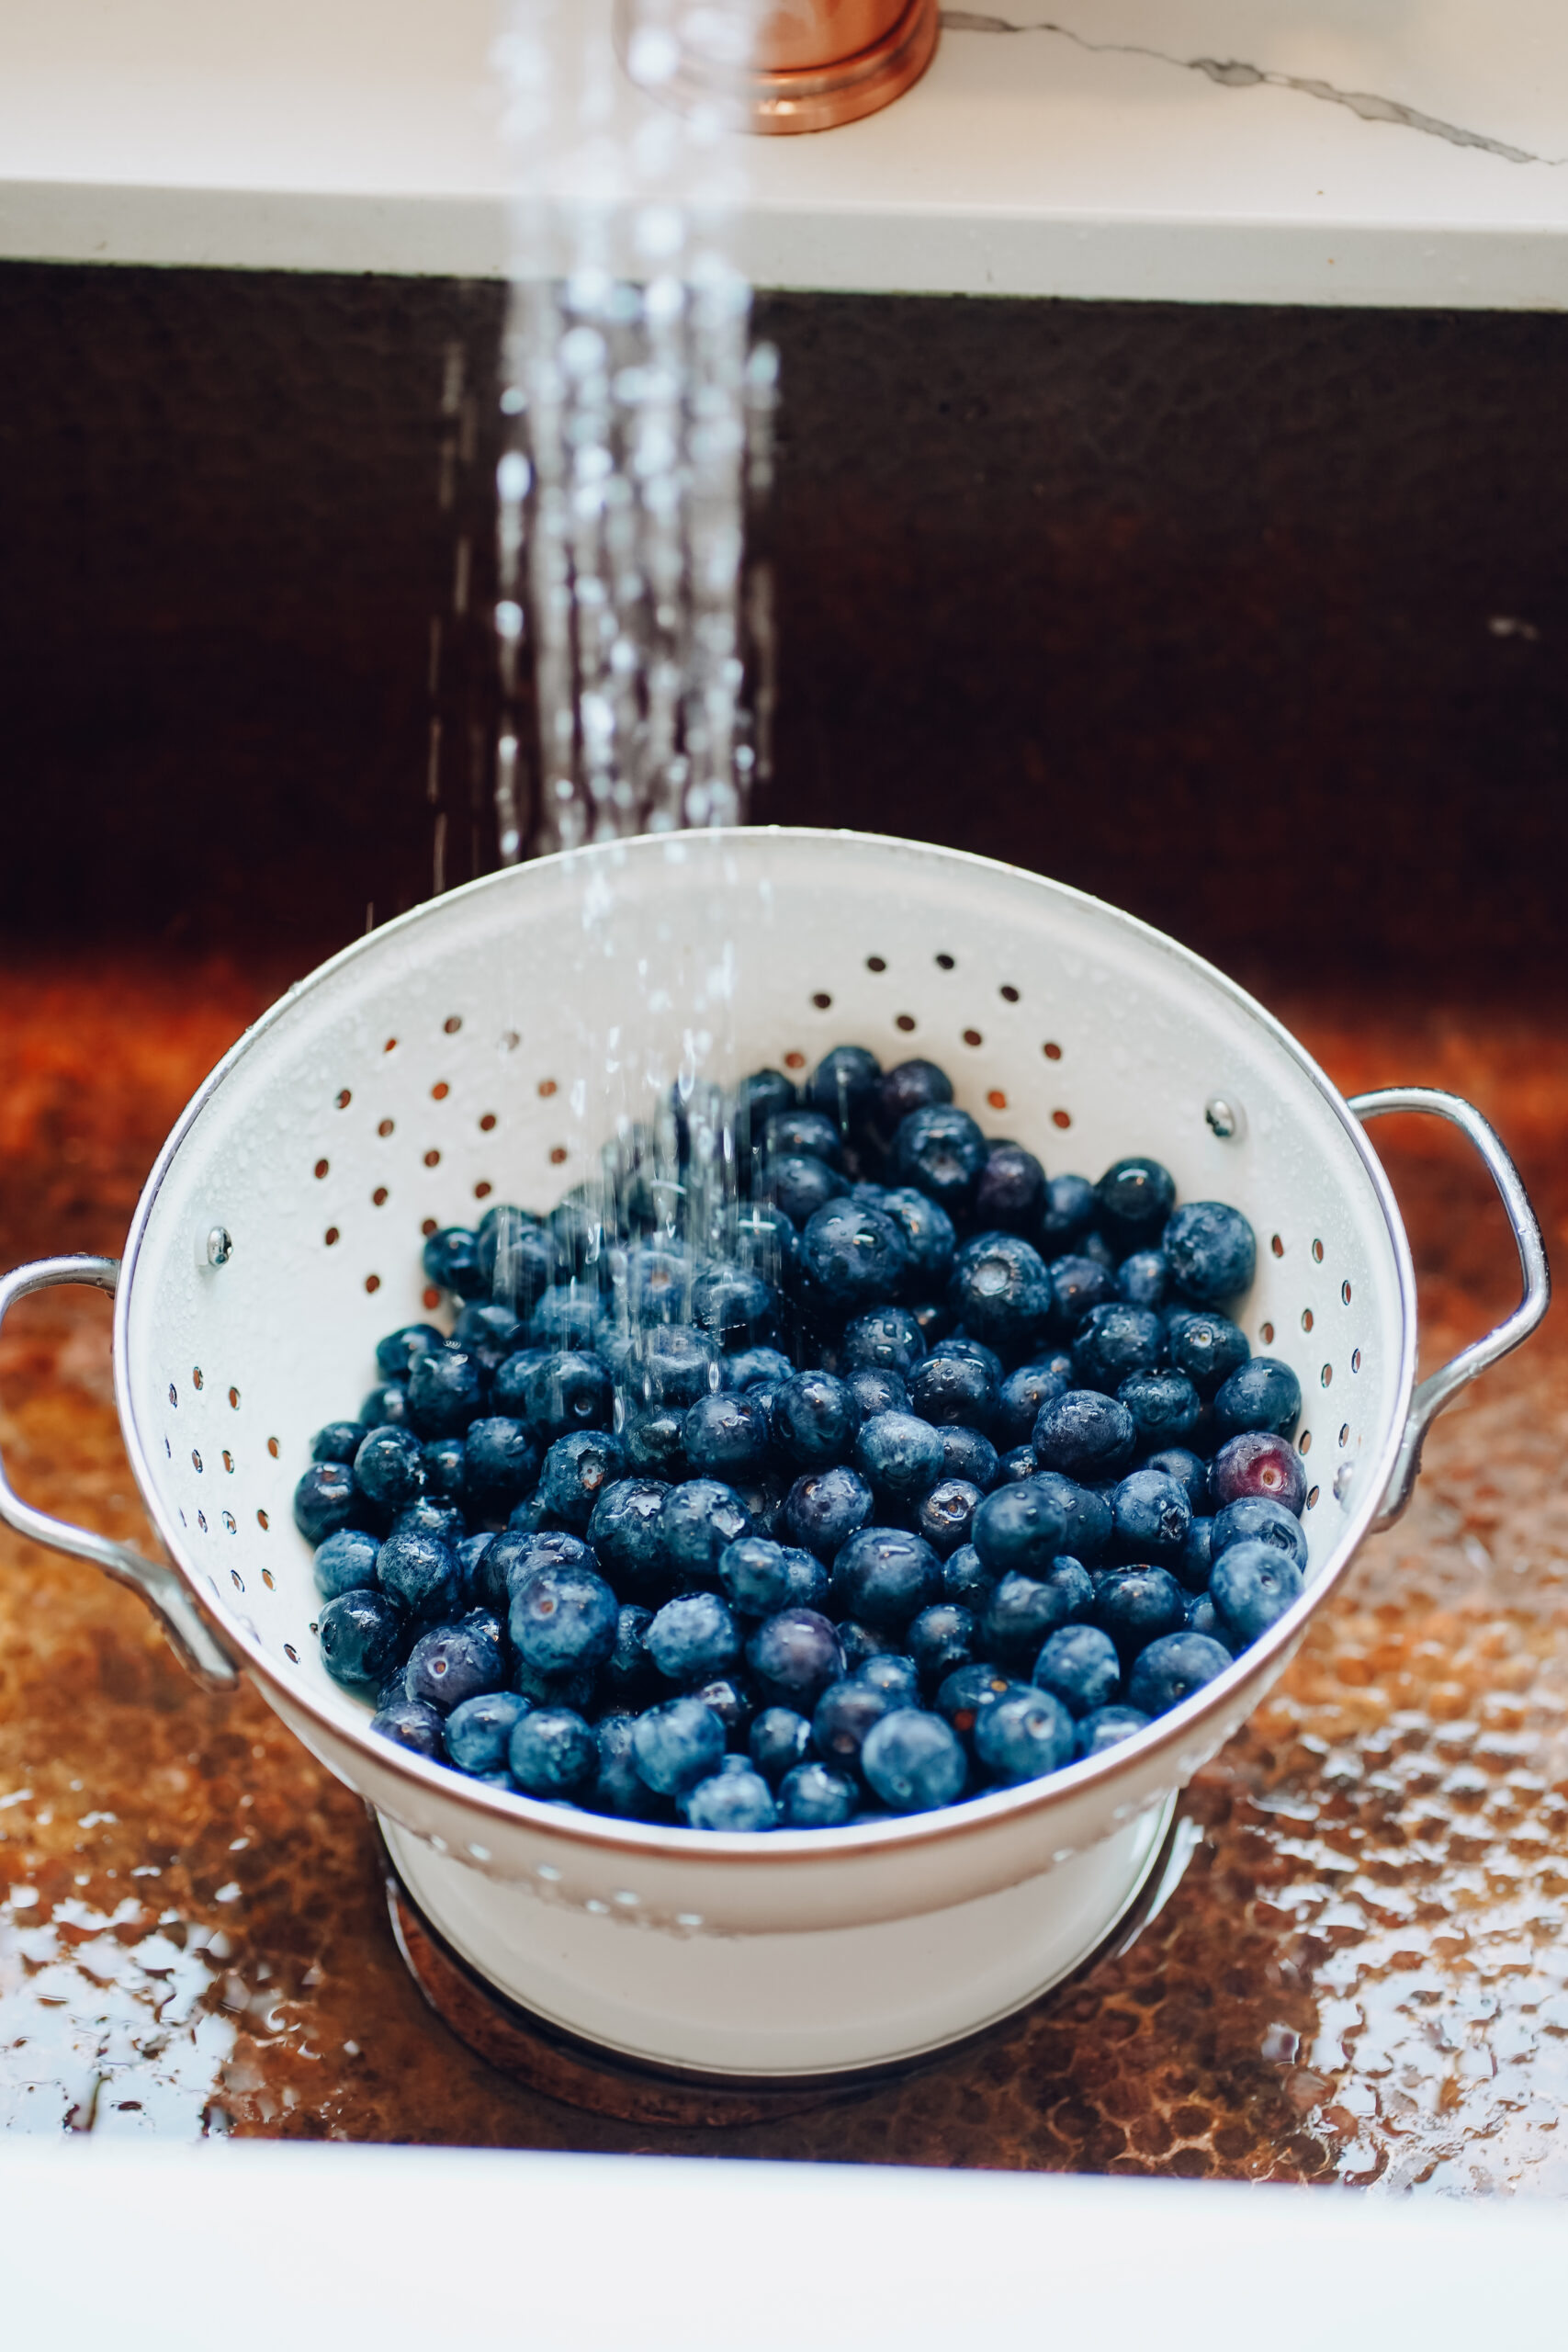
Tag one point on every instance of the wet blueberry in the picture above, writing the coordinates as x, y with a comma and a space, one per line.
692, 1637
940, 1640
1084, 1435
328, 1497
765, 1239
1108, 1727
492, 1333
472, 1555
1012, 1190
1207, 1348
509, 1383
887, 1340
1079, 1666
953, 1389
844, 1086
1189, 1471
1079, 1284
1163, 1405
625, 1531
966, 1349
1262, 1395
566, 1320
618, 1787
1027, 1733
631, 1679
1113, 1343
965, 1694
813, 1797
939, 1152
566, 1391
813, 1419
478, 1732
452, 1663
914, 1761
945, 1516
653, 1443
871, 1391
932, 1320
928, 1234
1212, 1252
564, 1620
1022, 1528
451, 1262
757, 1575
516, 1259
1066, 1216
363, 1636
419, 1570
1000, 1291
338, 1441
885, 1576
727, 1437
1021, 1610
1256, 1517
734, 1305
795, 1656
1134, 1197
1135, 1606
677, 1745
396, 1354
899, 1455
1024, 1394
732, 1697
967, 1455
825, 1508
1016, 1465
658, 1287
1251, 1585
761, 1096
679, 1364
412, 1724
385, 1407
346, 1562
1172, 1669
552, 1752
844, 1716
800, 1184
502, 1465
1257, 1463
779, 1740
447, 1471
446, 1391
730, 1801
907, 1087
1143, 1279
1197, 1557
699, 1517
1202, 1617
576, 1471
966, 1580
1150, 1515
806, 1129
894, 1673
757, 1368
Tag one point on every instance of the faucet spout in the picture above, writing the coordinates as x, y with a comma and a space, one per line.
772, 66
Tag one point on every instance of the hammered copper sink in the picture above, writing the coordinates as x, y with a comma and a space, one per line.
1362, 1975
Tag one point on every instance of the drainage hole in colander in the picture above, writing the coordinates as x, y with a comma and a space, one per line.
972, 1038
379, 1197
795, 1061
996, 1099
1008, 994
1304, 1441
1326, 1375
273, 1448
486, 1123
904, 1021
232, 1524
234, 1399
428, 1226
430, 1299
321, 1170
385, 1127
168, 1450
433, 1159
1345, 1292
547, 1087
1318, 1251
452, 1023
1266, 1333
1051, 1051
195, 1380
1061, 1118
390, 1046
290, 1653
201, 1520
1276, 1246
877, 963
1306, 1318
195, 1460
483, 1190
372, 1283
1312, 1500
558, 1154
267, 1575
440, 1091
264, 1523
822, 1000
344, 1099
331, 1237
174, 1393
1344, 1434
229, 1463
510, 1040
945, 963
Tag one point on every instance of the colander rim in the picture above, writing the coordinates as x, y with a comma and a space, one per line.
997, 1807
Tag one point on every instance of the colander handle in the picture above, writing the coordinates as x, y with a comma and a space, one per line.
1440, 1387
159, 1584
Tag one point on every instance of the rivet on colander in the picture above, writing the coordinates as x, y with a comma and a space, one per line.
220, 1247
1224, 1118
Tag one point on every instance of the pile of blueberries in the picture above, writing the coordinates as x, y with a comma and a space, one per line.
941, 1476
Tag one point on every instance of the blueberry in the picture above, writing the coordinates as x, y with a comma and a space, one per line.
500, 1465
965, 1695
631, 1678
813, 1419
966, 1580
949, 1388
755, 1576
1257, 1463
1087, 1510
338, 1441
576, 1471
940, 1152
734, 1305
1164, 1406
940, 1640
899, 1455
1212, 1252
871, 1391
564, 1621
326, 1499
761, 1096
1012, 1190
1133, 1199
931, 1319
1143, 1279
491, 1333
1151, 1515
1079, 1284
800, 1184
1025, 1734
1084, 1435
893, 1673
1115, 1342
1066, 1214
913, 1761
884, 1578
813, 1797
765, 1239
844, 1716
679, 1364
804, 1129
363, 1635
1000, 1290
451, 1262
692, 1637
566, 1319
1107, 1727
825, 1508
1021, 1610
855, 1257
1207, 1348
1202, 1617
845, 1085
887, 1340
862, 1644
1079, 1666
733, 1698
455, 1662
1135, 1606
478, 1732
567, 1391
395, 1354
1016, 1465
509, 1383
446, 1391
654, 1444
625, 1531
726, 1437
945, 1516
1262, 1395
419, 1570
677, 1745
1252, 1519
1172, 1669
658, 1289
516, 1257
514, 1557
1024, 1394
730, 1801
1189, 1471
1022, 1528
964, 1349
346, 1562
385, 1407
795, 1656
928, 1235
907, 1087
618, 1788
780, 1739
1251, 1585
966, 1454
412, 1725
446, 1470
757, 1368
576, 1227
552, 1752
699, 1517
1197, 1557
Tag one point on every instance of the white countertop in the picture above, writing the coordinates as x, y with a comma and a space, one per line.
1371, 152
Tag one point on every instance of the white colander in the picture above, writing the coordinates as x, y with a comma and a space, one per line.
482, 1047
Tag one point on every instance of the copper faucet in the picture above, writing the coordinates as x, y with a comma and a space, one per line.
777, 65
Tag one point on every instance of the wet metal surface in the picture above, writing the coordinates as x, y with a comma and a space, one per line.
1363, 1976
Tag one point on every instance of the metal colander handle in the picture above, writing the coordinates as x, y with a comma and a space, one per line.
164, 1592
1440, 1387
